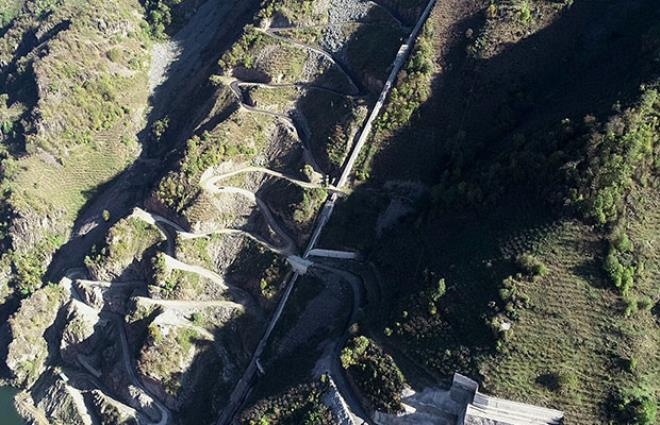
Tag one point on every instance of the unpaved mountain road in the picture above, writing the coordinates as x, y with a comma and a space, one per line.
130, 187
353, 81
298, 134
245, 384
67, 282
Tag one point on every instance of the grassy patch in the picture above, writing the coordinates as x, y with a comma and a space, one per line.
278, 100
127, 243
300, 404
375, 373
166, 355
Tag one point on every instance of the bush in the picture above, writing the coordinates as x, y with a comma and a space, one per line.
531, 265
114, 55
160, 16
375, 373
299, 405
413, 84
621, 275
637, 406
567, 382
621, 263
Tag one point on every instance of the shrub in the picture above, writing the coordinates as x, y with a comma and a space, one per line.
621, 263
114, 55
375, 373
531, 265
621, 275
299, 405
159, 128
637, 406
160, 16
567, 382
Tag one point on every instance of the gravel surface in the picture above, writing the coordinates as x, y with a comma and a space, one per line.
339, 13
175, 62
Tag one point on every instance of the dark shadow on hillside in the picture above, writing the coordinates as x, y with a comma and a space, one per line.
329, 118
470, 123
404, 10
564, 70
287, 344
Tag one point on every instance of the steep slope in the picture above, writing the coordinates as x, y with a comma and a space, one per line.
528, 159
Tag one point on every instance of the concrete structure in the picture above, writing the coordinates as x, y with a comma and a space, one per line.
331, 253
486, 410
463, 404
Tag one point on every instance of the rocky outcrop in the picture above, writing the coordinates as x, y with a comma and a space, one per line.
166, 363
28, 351
81, 336
110, 411
61, 403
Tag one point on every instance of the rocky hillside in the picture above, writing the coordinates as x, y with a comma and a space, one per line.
161, 161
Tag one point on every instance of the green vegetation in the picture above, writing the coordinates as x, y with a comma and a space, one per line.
531, 265
181, 186
77, 131
620, 263
413, 84
299, 405
280, 99
196, 251
257, 51
127, 244
30, 266
166, 355
28, 351
8, 11
166, 17
159, 15
616, 154
637, 407
413, 87
240, 51
542, 219
375, 373
312, 199
173, 283
299, 11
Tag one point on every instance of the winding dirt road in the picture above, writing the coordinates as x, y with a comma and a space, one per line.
273, 32
67, 282
244, 385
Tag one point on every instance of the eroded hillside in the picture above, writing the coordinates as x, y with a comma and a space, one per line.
169, 167
161, 176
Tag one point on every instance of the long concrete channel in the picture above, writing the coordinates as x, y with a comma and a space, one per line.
244, 385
